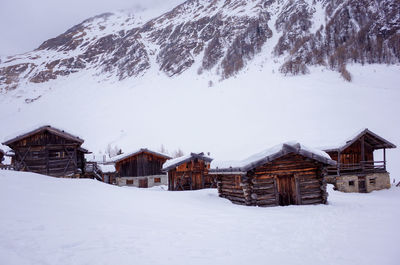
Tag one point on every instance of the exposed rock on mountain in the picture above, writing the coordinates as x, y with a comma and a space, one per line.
222, 35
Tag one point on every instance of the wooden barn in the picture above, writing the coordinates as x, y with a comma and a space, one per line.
189, 172
49, 151
141, 168
287, 174
357, 170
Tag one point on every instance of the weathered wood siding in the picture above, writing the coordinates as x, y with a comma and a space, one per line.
232, 187
48, 154
192, 175
352, 154
292, 179
140, 165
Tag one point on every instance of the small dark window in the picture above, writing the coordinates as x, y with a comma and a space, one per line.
129, 182
372, 181
35, 154
157, 180
351, 183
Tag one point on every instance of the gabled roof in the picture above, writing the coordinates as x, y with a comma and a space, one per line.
374, 140
106, 168
270, 155
121, 157
173, 163
48, 128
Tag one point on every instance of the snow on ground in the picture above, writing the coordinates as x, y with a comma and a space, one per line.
46, 220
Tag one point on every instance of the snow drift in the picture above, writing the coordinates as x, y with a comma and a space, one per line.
47, 220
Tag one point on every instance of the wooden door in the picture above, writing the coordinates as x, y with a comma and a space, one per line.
361, 184
287, 190
143, 183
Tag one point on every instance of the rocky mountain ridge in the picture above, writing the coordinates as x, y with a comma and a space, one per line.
222, 35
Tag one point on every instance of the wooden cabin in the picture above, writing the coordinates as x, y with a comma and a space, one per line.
49, 151
100, 171
189, 172
108, 173
287, 174
141, 168
2, 154
357, 170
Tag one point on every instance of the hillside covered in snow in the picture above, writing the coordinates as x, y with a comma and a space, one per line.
210, 76
47, 220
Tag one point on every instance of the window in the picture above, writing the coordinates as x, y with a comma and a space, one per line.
157, 180
35, 154
129, 182
351, 183
372, 181
56, 154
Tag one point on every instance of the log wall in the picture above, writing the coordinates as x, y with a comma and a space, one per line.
292, 179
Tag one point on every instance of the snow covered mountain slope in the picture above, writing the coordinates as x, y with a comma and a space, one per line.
46, 220
233, 119
218, 36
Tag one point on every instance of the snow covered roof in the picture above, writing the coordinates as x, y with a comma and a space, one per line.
48, 128
172, 163
374, 140
269, 155
107, 168
121, 157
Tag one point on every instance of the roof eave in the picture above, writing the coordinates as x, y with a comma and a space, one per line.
48, 128
142, 150
193, 156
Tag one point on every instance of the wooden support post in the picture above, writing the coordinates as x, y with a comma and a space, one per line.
191, 180
276, 190
47, 161
384, 159
298, 195
202, 180
362, 153
338, 164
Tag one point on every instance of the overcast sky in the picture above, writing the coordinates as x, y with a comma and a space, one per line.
25, 24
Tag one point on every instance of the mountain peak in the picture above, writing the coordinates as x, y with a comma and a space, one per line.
221, 36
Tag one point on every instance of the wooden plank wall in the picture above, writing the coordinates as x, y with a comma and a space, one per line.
140, 165
352, 154
192, 175
261, 187
48, 154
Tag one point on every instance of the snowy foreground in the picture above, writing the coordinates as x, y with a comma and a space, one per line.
46, 220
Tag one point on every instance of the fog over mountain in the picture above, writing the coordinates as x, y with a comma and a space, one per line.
24, 24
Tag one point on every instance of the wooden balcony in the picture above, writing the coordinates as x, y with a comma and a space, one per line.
364, 167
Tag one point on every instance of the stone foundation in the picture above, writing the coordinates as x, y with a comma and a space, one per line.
126, 181
373, 181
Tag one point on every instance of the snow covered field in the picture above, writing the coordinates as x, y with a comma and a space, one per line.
45, 220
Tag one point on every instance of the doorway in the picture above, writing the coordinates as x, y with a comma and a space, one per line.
143, 183
287, 190
361, 184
